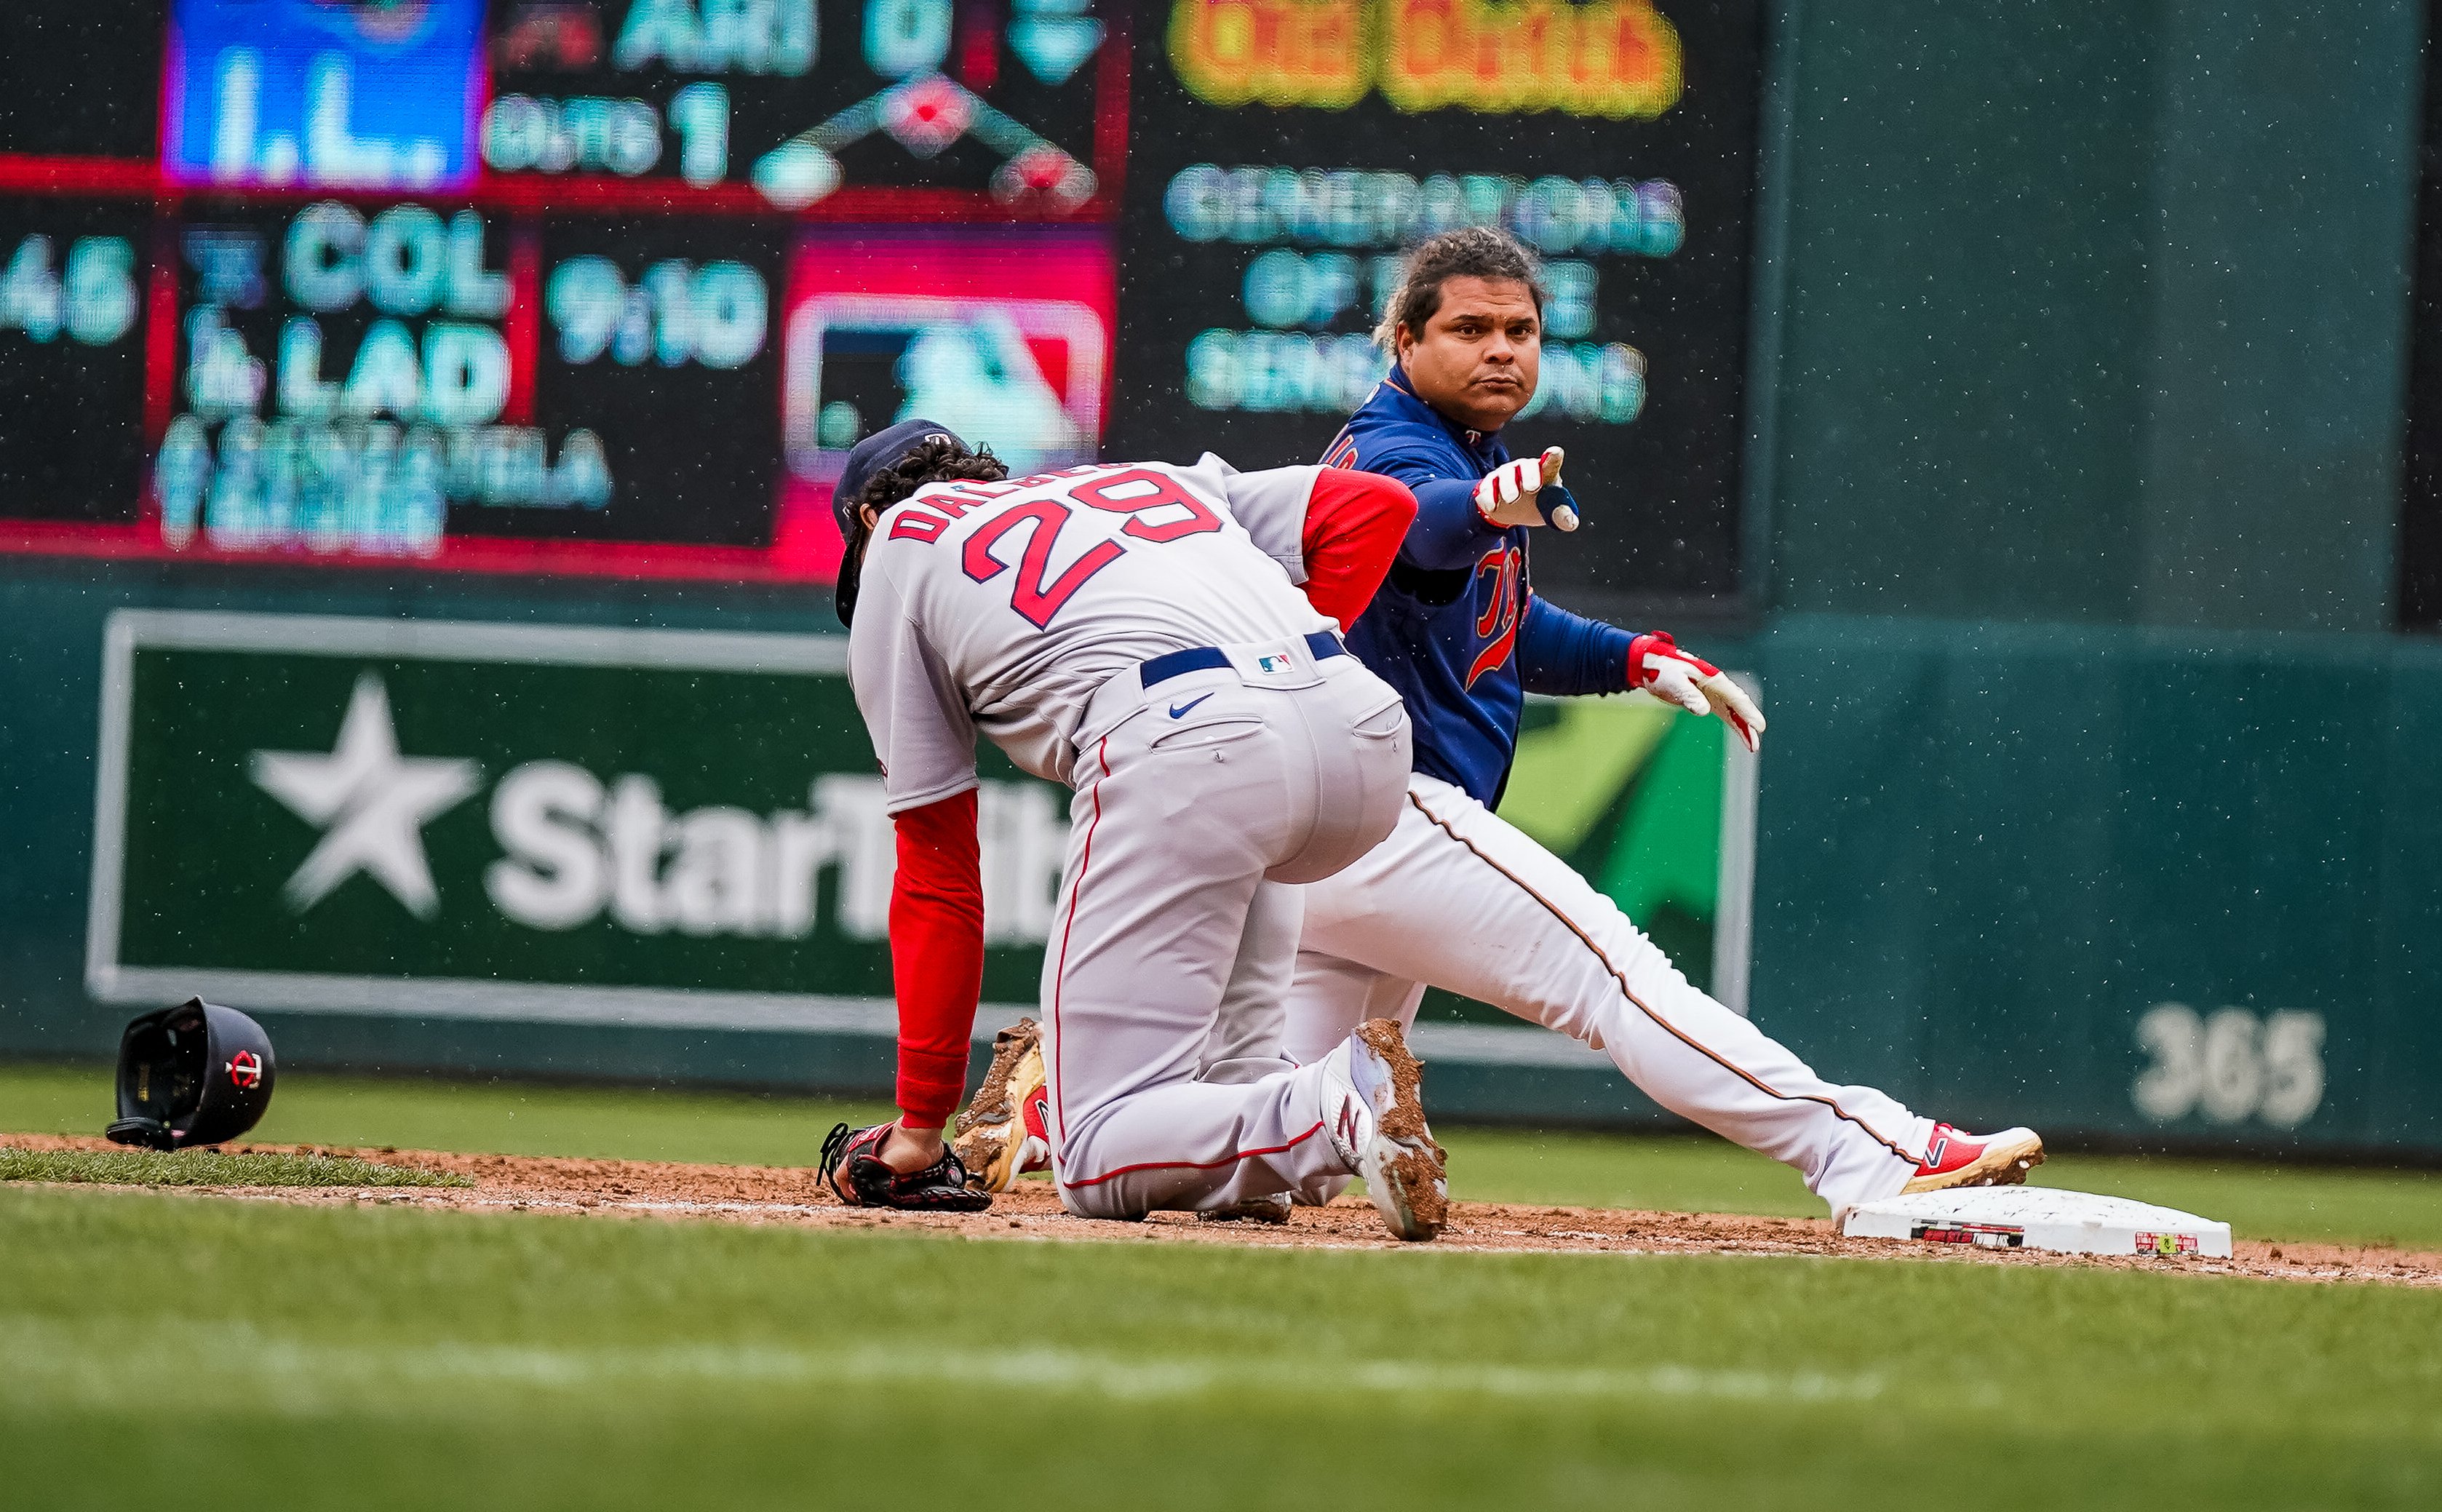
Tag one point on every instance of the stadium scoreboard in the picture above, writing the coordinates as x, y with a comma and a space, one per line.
609, 286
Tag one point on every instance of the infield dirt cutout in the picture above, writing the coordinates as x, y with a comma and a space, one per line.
795, 1195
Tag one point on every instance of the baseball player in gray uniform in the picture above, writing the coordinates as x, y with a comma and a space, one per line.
1117, 628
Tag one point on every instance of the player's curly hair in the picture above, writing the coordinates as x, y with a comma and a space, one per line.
1471, 252
935, 460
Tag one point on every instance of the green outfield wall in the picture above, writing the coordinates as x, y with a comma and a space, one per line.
2088, 332
2144, 884
2100, 792
2090, 311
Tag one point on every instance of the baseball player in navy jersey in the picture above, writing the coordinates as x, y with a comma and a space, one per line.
1459, 898
1136, 631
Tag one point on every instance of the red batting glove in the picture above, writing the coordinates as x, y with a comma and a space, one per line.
1656, 665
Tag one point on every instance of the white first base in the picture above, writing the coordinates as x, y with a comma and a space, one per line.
2075, 1223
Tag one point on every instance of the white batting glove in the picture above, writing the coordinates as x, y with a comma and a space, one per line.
1656, 665
1509, 494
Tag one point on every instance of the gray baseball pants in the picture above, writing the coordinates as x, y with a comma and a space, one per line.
1190, 795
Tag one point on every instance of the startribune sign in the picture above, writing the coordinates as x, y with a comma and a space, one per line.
493, 820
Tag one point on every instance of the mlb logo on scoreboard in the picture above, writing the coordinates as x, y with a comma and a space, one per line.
859, 362
355, 95
1004, 335
1004, 338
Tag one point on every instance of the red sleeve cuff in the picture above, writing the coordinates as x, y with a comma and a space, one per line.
930, 1085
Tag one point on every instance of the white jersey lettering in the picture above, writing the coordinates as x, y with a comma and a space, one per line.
1000, 608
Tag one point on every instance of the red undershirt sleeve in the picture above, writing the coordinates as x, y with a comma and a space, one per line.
1354, 524
937, 953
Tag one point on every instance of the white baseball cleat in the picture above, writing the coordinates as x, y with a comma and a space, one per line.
1954, 1157
1004, 1132
1374, 1112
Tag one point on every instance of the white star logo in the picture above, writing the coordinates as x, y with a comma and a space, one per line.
371, 803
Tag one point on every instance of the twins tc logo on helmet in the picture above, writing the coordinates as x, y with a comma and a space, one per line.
245, 1068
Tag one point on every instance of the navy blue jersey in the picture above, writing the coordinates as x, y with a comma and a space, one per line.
1456, 627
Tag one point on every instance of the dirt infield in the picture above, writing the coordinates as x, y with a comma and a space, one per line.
789, 1194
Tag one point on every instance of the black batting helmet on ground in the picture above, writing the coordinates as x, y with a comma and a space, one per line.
884, 449
195, 1074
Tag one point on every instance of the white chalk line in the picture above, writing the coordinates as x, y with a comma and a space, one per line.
40, 1356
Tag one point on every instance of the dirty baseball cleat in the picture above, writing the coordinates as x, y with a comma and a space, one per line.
1005, 1132
1374, 1112
1957, 1158
1254, 1209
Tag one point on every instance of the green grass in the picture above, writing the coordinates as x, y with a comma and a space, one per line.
211, 1168
373, 1358
492, 1117
376, 1358
1690, 1172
